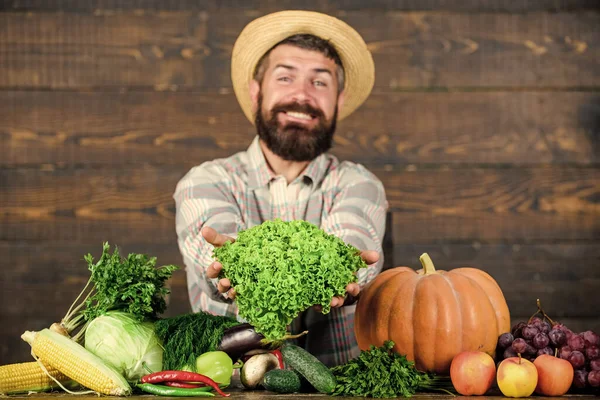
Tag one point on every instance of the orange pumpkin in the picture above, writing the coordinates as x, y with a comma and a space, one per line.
432, 315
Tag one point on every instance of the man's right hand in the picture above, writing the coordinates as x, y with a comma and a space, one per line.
214, 269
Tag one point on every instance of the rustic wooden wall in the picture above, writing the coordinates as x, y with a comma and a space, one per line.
484, 125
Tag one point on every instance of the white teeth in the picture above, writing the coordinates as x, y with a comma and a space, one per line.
299, 115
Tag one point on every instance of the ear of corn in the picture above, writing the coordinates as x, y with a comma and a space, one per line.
73, 360
28, 377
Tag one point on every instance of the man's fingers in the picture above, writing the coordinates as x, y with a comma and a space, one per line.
337, 302
214, 270
231, 294
215, 238
370, 256
353, 289
224, 285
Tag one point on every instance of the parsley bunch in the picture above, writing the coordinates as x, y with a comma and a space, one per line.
133, 285
278, 269
381, 372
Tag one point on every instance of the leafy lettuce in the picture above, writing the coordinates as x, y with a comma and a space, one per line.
278, 269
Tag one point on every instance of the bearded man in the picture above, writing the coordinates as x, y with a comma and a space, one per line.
295, 74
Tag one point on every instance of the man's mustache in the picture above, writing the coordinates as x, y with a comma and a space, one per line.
297, 107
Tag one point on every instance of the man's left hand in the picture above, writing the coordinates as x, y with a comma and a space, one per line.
352, 290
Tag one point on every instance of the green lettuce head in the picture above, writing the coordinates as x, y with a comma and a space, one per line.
279, 269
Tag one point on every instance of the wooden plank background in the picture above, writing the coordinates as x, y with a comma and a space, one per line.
484, 125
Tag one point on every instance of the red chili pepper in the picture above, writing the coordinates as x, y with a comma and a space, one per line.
277, 354
185, 385
182, 376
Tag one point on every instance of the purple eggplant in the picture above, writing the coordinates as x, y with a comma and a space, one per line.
240, 339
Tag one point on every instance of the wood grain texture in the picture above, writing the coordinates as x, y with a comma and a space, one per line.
412, 51
100, 128
71, 6
484, 125
523, 204
429, 205
563, 276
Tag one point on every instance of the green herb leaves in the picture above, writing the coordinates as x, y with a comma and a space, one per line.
381, 372
187, 336
132, 285
279, 269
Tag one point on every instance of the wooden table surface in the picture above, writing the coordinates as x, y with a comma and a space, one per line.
264, 395
239, 393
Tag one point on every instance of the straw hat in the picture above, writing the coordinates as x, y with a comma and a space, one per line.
263, 33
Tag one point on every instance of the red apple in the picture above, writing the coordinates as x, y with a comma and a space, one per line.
555, 375
517, 377
472, 372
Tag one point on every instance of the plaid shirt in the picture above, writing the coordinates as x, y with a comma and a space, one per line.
241, 191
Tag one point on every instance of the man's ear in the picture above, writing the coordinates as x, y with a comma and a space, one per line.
254, 88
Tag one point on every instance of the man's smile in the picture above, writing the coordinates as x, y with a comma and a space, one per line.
297, 117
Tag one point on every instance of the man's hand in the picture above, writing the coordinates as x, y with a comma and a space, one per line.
370, 257
224, 285
214, 269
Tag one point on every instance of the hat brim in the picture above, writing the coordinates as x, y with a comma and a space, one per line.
260, 35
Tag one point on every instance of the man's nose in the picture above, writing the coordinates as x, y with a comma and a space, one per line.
301, 92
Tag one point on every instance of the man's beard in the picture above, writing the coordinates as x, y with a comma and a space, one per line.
295, 142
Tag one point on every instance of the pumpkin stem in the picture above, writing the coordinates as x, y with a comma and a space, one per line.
427, 264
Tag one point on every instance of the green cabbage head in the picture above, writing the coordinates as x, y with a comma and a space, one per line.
125, 343
279, 269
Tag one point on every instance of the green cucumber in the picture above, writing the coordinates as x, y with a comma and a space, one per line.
309, 366
286, 381
282, 381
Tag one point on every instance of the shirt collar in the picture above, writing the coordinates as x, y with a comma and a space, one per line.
261, 175
315, 171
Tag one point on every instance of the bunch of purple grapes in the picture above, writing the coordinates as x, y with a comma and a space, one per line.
536, 337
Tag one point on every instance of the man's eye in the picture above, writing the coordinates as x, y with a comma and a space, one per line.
284, 79
319, 83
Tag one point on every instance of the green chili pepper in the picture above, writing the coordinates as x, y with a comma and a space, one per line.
217, 365
161, 390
